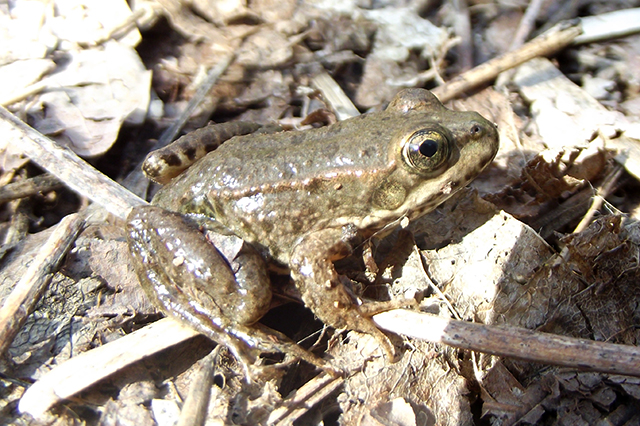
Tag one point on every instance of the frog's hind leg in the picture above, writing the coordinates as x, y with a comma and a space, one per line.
171, 259
165, 163
190, 281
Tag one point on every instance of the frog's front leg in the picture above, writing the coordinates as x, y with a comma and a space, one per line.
313, 272
190, 281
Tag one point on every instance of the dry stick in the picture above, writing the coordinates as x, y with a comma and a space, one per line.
26, 188
526, 24
462, 28
123, 28
515, 342
302, 399
204, 88
24, 92
524, 29
74, 172
610, 25
335, 96
81, 371
194, 409
26, 294
542, 45
17, 230
601, 193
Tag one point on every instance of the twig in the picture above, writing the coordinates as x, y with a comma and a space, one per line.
526, 24
123, 28
462, 28
63, 163
301, 400
27, 188
84, 370
27, 293
609, 25
341, 104
24, 92
545, 44
434, 287
524, 29
17, 230
194, 409
515, 342
601, 193
204, 88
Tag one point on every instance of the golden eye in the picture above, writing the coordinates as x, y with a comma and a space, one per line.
426, 150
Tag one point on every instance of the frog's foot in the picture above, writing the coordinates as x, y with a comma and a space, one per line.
246, 342
273, 341
313, 272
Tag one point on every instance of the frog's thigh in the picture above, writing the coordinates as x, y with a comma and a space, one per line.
192, 282
158, 241
313, 271
185, 267
252, 296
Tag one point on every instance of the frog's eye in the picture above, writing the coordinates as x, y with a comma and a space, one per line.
426, 150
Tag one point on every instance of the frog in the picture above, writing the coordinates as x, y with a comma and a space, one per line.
296, 201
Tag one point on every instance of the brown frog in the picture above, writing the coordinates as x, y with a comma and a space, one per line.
298, 199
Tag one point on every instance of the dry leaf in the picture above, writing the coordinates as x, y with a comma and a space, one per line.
71, 114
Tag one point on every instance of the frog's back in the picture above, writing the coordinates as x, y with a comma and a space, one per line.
271, 190
273, 162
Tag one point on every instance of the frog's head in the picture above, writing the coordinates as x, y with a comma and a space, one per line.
437, 152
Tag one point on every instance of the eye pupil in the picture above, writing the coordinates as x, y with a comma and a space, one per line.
428, 148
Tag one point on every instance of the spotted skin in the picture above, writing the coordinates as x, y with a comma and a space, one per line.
298, 198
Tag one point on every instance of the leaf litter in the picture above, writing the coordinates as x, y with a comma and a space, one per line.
502, 253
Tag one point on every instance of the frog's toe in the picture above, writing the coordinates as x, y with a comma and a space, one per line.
358, 321
274, 341
369, 309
